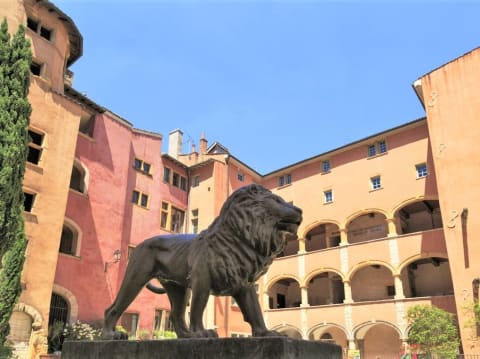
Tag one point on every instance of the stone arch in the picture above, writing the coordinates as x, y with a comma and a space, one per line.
322, 235
367, 225
71, 299
363, 264
318, 271
360, 330
289, 330
365, 211
324, 328
372, 281
284, 292
426, 275
314, 224
411, 200
275, 279
37, 319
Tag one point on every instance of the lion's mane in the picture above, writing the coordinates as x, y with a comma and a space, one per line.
242, 241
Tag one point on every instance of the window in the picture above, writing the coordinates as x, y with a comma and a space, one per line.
33, 24
325, 166
142, 166
177, 220
240, 176
166, 175
284, 180
382, 147
87, 124
421, 170
130, 322
196, 181
195, 221
29, 200
162, 321
328, 196
164, 215
36, 68
176, 179
377, 148
37, 28
68, 241
58, 310
77, 178
183, 183
35, 147
376, 183
140, 199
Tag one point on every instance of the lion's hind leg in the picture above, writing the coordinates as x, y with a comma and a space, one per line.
178, 296
138, 273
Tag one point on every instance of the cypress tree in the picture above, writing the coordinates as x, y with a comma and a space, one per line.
15, 60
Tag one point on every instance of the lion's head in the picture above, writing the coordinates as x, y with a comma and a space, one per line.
260, 218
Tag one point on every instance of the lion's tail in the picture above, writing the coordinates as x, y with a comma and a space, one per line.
155, 289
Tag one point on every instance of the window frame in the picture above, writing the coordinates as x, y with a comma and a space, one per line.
328, 196
423, 173
167, 174
33, 146
40, 29
374, 184
196, 181
139, 165
326, 166
140, 198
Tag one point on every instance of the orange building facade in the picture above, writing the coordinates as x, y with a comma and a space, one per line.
389, 220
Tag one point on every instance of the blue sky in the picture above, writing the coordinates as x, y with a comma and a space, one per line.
273, 81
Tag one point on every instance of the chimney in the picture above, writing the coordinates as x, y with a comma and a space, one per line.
175, 143
194, 153
203, 144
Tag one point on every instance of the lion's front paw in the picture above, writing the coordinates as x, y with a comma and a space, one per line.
268, 333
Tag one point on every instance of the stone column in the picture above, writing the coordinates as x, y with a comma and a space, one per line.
304, 292
398, 287
348, 292
343, 236
392, 228
301, 245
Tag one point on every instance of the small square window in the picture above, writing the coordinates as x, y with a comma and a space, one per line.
29, 200
146, 168
288, 179
421, 170
240, 176
328, 196
371, 151
166, 174
176, 179
382, 147
36, 68
32, 24
144, 200
137, 164
35, 147
46, 33
376, 183
196, 181
135, 197
183, 183
325, 166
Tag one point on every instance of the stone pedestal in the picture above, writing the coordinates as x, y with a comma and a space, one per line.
224, 348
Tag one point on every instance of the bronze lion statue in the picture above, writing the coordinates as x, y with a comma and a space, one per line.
225, 259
